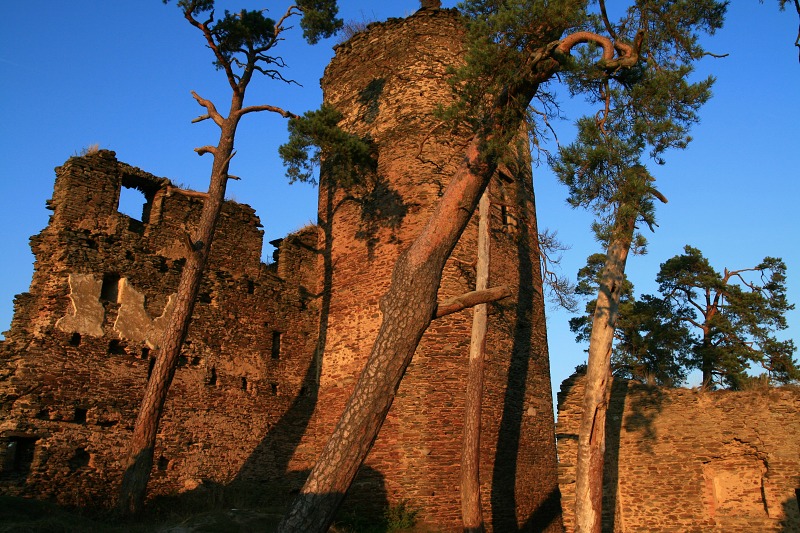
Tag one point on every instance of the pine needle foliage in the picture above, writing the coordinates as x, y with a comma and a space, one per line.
652, 344
737, 314
248, 34
316, 138
725, 324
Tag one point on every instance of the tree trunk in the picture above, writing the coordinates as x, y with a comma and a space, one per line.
139, 461
591, 436
471, 513
408, 308
706, 357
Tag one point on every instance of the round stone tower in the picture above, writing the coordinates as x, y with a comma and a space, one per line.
387, 81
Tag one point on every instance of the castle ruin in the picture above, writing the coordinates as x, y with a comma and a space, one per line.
274, 350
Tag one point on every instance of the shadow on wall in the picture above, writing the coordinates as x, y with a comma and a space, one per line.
273, 453
381, 207
645, 406
614, 417
791, 513
504, 476
367, 495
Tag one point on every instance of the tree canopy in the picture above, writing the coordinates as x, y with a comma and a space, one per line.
650, 338
737, 313
722, 323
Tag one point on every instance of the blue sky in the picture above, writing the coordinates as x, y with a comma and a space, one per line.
118, 73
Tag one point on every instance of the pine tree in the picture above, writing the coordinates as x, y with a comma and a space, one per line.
737, 313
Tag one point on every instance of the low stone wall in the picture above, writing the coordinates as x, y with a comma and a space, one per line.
690, 460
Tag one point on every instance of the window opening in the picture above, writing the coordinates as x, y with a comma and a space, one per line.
273, 388
251, 287
79, 460
508, 218
115, 347
244, 383
133, 203
145, 352
75, 340
109, 291
212, 376
80, 415
19, 454
276, 344
163, 463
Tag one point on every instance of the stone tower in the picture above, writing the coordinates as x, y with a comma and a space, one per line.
387, 82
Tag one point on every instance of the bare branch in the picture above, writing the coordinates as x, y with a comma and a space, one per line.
227, 161
560, 289
471, 299
192, 194
797, 41
221, 60
212, 110
718, 56
291, 11
570, 41
203, 150
609, 27
275, 75
657, 194
266, 107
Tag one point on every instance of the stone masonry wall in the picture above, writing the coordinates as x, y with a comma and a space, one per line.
84, 338
690, 460
387, 81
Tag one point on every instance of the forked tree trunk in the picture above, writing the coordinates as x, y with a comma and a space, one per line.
471, 513
591, 435
139, 461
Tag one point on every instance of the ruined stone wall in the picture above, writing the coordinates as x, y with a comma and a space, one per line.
690, 460
387, 81
84, 338
274, 351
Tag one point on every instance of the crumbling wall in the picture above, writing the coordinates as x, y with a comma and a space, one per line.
690, 460
85, 337
273, 351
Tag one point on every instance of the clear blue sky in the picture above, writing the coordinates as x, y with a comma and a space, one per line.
118, 73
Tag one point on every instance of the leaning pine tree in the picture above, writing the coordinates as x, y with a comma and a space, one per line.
514, 48
242, 45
